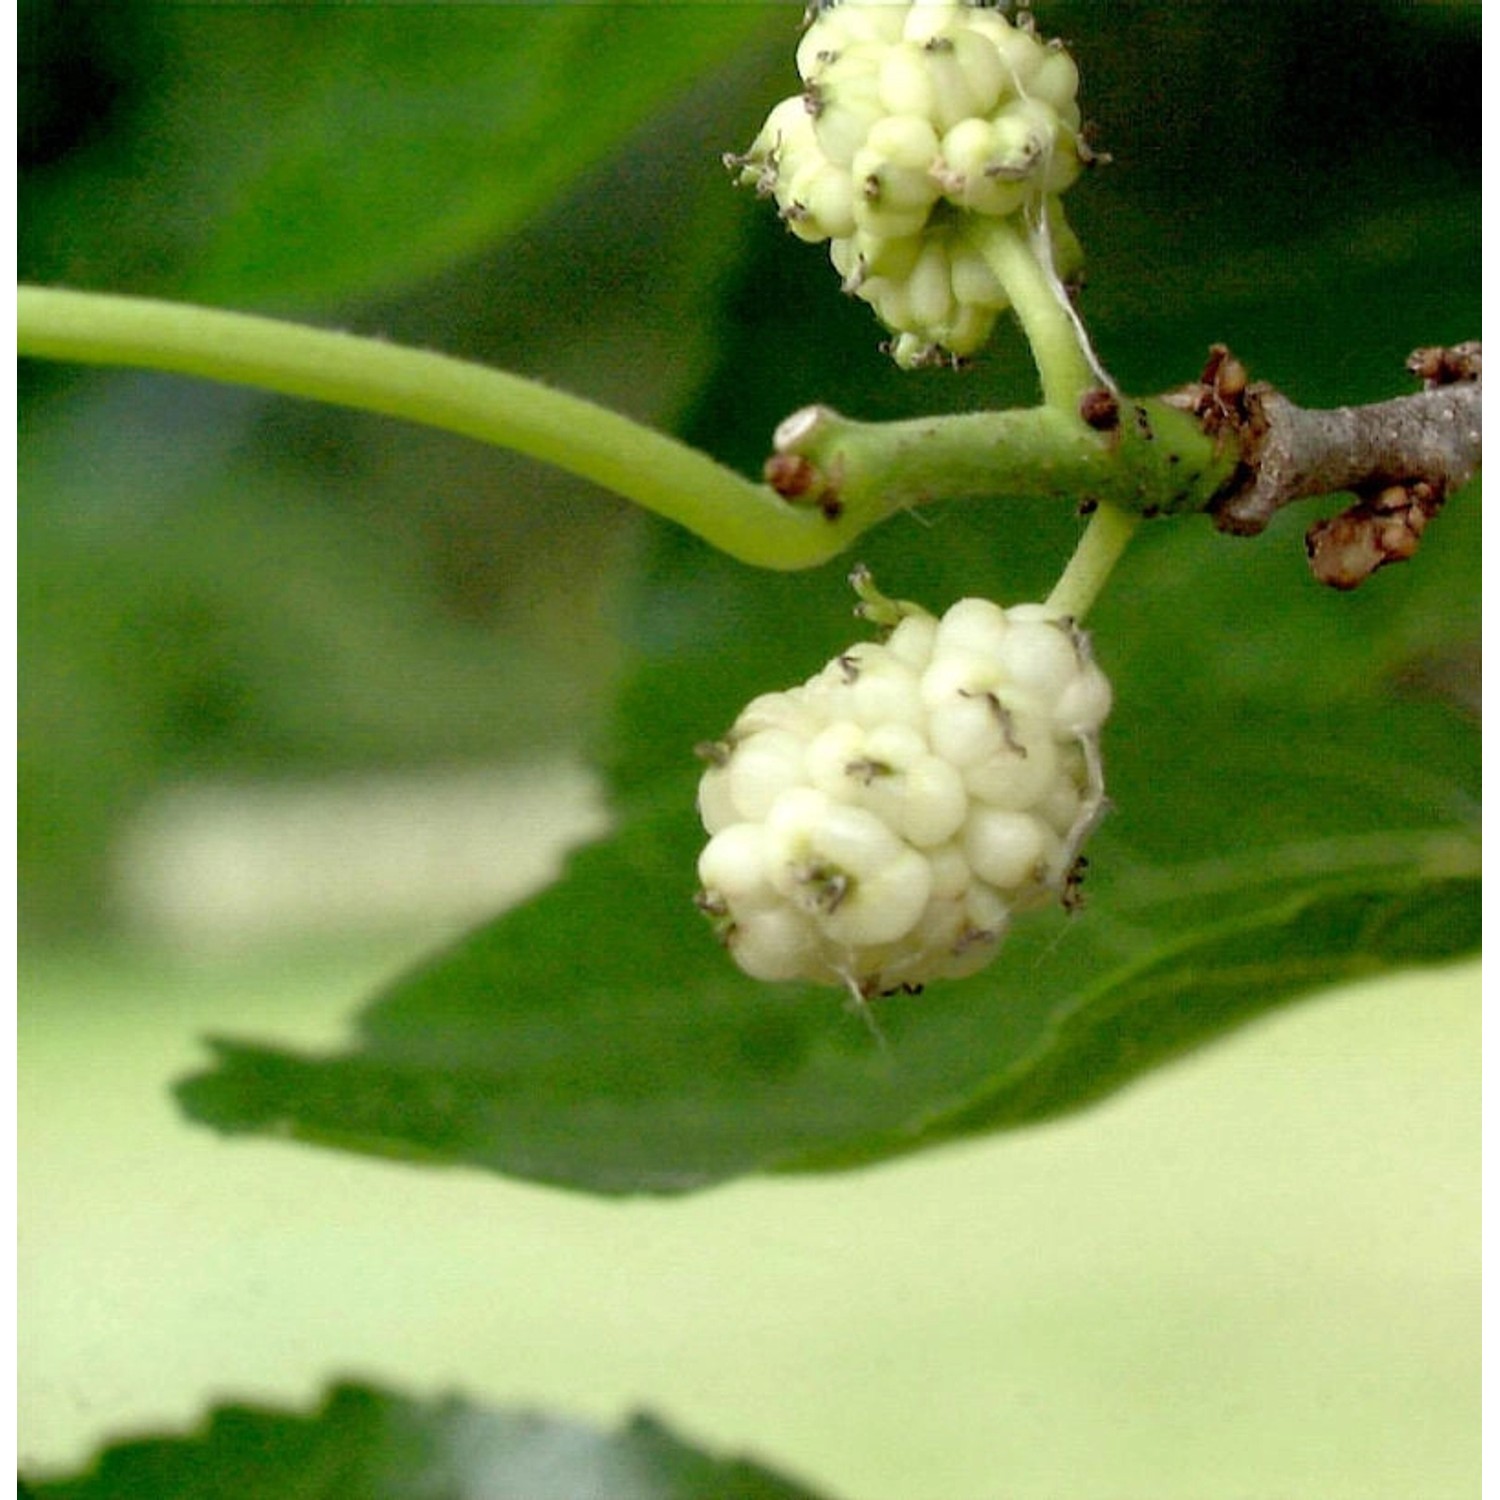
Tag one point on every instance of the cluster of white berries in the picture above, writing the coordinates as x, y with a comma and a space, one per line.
923, 124
876, 827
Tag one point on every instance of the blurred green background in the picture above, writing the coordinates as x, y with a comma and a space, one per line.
303, 691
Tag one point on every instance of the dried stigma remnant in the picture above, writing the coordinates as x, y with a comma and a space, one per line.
921, 127
879, 826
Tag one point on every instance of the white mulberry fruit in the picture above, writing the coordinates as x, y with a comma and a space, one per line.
878, 826
921, 126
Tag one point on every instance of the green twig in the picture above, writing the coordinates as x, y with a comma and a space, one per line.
746, 520
843, 477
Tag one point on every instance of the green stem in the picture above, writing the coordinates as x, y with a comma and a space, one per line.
1099, 548
748, 521
1020, 258
855, 474
1156, 459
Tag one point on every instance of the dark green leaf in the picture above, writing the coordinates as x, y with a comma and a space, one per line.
1273, 833
366, 1444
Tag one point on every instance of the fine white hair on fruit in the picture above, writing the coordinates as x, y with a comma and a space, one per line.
879, 826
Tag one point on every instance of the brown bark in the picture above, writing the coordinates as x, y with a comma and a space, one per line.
1400, 458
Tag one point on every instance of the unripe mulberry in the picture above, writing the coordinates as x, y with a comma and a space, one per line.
879, 826
922, 125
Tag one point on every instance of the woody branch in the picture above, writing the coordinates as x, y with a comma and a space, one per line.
1401, 458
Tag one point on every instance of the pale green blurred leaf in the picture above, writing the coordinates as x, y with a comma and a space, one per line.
290, 154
